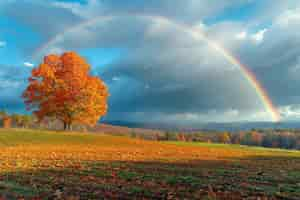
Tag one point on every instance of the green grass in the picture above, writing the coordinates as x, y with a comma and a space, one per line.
232, 146
14, 137
16, 188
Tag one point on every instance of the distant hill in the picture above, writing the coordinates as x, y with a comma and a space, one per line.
241, 126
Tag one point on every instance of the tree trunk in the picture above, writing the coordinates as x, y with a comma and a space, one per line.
65, 126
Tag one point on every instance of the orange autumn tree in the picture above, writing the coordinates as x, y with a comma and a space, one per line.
61, 87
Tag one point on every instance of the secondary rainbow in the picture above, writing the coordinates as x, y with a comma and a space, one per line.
197, 34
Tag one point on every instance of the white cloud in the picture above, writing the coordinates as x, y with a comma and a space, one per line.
261, 115
78, 9
28, 64
288, 17
241, 36
10, 84
232, 113
115, 78
290, 112
3, 44
258, 37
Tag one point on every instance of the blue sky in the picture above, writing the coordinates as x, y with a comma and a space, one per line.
17, 37
154, 69
238, 13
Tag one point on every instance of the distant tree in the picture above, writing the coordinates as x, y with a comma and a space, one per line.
3, 117
237, 138
224, 138
275, 144
133, 134
252, 138
6, 121
287, 140
181, 137
267, 140
27, 120
17, 119
23, 121
168, 135
256, 138
157, 137
298, 143
3, 113
61, 87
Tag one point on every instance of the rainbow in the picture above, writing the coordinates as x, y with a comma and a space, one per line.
251, 78
197, 34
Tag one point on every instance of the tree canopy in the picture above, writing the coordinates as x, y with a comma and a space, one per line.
61, 87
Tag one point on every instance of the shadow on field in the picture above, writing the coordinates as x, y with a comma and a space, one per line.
247, 178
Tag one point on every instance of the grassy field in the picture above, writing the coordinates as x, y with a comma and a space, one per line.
50, 165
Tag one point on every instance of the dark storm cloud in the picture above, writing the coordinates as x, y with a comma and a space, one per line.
170, 75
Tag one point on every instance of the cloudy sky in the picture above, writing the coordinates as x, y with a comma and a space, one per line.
154, 58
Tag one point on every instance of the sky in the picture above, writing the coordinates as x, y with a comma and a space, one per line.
155, 68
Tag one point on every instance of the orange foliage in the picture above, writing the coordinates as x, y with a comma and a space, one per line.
61, 87
224, 138
6, 122
256, 138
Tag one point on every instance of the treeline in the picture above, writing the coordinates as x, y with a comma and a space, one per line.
267, 138
16, 120
31, 121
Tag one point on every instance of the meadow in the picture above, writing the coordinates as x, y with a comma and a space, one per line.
66, 165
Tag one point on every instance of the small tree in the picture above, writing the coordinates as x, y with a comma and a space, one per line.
27, 120
169, 135
6, 121
181, 137
256, 138
298, 143
3, 113
224, 138
157, 137
133, 134
17, 120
